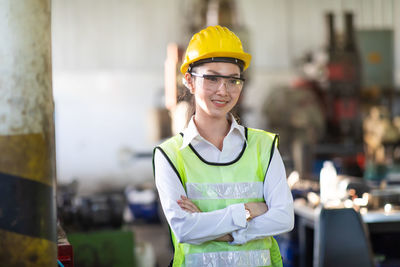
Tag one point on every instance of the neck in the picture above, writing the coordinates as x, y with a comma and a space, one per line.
212, 129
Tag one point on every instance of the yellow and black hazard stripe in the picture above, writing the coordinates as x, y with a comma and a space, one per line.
27, 202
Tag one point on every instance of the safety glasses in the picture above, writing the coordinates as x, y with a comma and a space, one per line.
214, 81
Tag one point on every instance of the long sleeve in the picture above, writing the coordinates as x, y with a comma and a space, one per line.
280, 216
193, 228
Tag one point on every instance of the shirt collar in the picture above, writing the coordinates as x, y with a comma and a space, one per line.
191, 133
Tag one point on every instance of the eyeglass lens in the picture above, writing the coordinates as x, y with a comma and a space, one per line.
213, 82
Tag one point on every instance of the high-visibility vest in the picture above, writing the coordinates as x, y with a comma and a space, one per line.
212, 186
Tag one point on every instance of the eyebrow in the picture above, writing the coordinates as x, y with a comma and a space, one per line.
217, 73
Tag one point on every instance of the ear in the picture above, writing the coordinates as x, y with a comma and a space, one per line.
188, 82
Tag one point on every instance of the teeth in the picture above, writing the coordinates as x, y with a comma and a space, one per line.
220, 102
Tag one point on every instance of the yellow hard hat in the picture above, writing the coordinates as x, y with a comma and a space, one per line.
215, 44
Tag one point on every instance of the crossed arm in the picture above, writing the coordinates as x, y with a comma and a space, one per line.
190, 225
255, 209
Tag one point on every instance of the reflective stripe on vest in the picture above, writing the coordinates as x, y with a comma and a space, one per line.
213, 186
230, 258
225, 190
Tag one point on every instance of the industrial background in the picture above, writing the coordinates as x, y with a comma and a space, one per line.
108, 67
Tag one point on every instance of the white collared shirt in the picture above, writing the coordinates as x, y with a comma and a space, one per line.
196, 228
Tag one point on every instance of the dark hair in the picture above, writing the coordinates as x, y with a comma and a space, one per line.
189, 98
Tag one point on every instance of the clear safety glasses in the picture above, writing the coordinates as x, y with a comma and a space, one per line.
213, 82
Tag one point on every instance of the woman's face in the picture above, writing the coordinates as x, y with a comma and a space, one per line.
214, 98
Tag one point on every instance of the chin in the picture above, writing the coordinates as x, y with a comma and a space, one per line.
218, 114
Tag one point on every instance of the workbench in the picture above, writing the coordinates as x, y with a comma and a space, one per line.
379, 224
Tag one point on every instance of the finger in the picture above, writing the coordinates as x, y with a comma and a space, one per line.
257, 208
189, 210
186, 205
264, 206
192, 205
261, 208
189, 202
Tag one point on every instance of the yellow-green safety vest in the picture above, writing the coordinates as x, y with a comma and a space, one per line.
212, 186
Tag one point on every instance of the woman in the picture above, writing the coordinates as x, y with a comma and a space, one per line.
222, 186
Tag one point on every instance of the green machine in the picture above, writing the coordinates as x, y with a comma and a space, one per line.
106, 248
376, 48
376, 53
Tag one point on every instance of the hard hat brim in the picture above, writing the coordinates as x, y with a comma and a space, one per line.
245, 57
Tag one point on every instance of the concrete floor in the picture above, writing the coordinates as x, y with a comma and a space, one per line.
153, 244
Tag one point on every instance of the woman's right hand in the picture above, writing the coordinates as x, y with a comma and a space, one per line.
256, 208
187, 205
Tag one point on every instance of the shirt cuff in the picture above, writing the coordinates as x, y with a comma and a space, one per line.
238, 215
239, 237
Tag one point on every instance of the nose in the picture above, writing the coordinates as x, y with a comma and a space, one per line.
222, 88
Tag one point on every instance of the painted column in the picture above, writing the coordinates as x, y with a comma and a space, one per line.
27, 152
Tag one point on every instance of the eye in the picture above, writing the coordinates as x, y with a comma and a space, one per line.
234, 81
212, 79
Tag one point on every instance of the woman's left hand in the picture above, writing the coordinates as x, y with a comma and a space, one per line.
187, 205
225, 238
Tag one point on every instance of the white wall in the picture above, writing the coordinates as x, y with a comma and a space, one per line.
101, 120
108, 59
117, 34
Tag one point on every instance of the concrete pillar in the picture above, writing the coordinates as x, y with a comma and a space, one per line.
27, 153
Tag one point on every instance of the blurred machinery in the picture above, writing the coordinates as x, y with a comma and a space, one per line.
378, 131
143, 203
295, 113
89, 212
319, 115
382, 145
335, 91
343, 108
344, 84
381, 120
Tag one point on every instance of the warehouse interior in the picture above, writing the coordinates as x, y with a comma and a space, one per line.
94, 85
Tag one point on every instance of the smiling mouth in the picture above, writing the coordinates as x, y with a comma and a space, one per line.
219, 101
